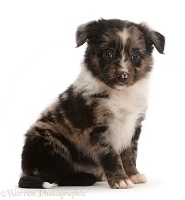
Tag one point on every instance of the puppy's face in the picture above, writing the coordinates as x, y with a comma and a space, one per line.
119, 53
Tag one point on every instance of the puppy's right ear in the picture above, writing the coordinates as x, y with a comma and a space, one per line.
84, 32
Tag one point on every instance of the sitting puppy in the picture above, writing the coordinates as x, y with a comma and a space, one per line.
91, 132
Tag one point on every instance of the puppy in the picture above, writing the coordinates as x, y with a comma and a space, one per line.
91, 132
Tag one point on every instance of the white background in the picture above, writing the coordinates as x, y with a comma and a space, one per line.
38, 60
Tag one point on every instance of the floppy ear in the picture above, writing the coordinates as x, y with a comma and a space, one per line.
155, 38
158, 41
85, 32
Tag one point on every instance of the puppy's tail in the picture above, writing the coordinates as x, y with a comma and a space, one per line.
76, 179
34, 182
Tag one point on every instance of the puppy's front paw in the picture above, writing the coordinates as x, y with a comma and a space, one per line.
138, 178
121, 184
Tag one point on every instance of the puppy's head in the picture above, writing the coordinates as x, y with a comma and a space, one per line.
119, 53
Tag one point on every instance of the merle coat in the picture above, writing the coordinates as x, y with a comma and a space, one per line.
91, 132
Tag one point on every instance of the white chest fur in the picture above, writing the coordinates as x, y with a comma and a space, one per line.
126, 107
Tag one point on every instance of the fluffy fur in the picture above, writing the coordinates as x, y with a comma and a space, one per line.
91, 132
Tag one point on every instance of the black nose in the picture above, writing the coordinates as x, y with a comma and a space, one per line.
122, 75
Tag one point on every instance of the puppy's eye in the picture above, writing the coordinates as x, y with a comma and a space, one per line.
107, 55
135, 57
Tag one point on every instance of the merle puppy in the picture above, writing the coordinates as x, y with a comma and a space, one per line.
91, 132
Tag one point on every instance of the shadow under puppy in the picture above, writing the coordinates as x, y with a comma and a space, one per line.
91, 132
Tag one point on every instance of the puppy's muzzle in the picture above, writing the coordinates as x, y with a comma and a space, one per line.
121, 75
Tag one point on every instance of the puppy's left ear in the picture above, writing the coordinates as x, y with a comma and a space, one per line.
158, 41
155, 38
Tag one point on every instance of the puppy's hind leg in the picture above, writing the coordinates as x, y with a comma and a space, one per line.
77, 179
